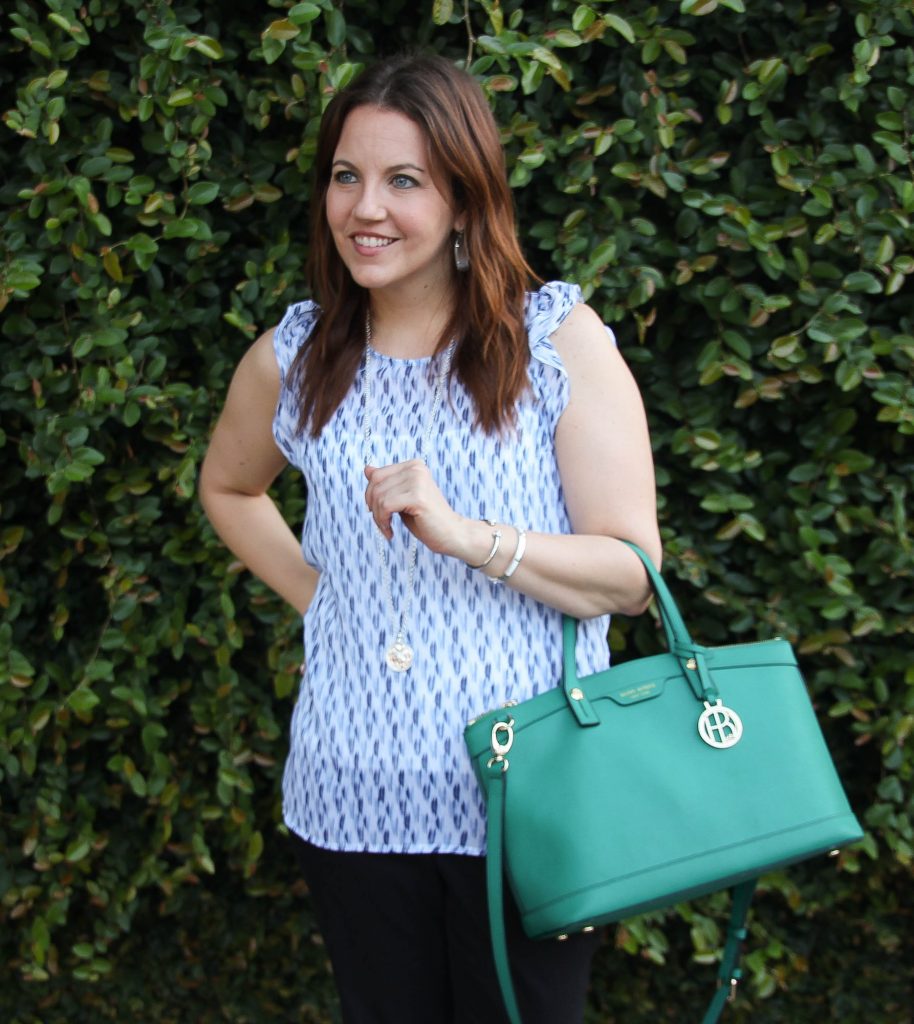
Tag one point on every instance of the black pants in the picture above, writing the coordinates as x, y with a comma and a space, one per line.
408, 937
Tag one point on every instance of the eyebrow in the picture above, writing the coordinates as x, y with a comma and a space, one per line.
390, 170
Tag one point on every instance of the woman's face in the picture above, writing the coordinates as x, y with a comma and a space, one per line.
391, 217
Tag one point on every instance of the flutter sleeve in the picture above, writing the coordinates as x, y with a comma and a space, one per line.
546, 310
293, 331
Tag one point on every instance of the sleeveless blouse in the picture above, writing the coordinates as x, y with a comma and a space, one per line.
377, 760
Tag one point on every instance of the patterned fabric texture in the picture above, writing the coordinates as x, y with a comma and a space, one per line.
377, 760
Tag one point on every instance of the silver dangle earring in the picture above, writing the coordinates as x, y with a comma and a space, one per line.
461, 256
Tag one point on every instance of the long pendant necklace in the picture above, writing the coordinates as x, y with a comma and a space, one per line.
399, 654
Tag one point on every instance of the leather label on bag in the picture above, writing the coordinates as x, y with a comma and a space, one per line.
635, 694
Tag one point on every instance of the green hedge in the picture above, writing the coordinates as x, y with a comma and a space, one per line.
733, 187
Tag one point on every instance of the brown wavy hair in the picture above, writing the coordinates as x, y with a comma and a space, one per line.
487, 322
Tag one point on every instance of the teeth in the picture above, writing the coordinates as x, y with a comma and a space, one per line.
372, 241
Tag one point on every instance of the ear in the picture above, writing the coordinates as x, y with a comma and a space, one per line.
460, 222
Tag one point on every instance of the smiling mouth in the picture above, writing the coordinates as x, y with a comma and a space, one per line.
373, 241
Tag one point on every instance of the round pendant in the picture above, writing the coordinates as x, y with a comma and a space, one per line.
399, 655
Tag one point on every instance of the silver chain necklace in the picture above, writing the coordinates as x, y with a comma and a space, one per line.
399, 654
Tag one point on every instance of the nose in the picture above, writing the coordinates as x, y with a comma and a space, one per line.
370, 205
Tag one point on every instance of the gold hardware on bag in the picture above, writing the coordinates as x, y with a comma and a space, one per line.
834, 853
577, 694
561, 938
588, 928
734, 983
501, 746
692, 664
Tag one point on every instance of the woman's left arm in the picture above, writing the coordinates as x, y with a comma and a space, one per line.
607, 471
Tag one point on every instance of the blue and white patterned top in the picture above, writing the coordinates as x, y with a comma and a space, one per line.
377, 759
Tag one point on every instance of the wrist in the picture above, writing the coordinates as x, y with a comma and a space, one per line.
482, 543
494, 549
520, 548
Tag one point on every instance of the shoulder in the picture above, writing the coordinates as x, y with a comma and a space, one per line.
257, 377
584, 342
601, 385
260, 359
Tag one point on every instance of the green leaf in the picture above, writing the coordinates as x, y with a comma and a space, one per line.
621, 26
301, 14
281, 30
885, 251
180, 97
442, 10
707, 440
864, 158
565, 37
862, 281
206, 45
202, 192
583, 18
676, 51
20, 280
83, 700
41, 938
78, 850
626, 170
897, 97
336, 26
152, 735
142, 243
186, 227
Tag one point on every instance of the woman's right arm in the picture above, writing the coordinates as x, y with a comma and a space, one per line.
240, 465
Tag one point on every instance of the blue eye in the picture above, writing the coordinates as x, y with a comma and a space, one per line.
403, 181
344, 177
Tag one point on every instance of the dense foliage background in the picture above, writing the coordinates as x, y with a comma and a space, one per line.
733, 187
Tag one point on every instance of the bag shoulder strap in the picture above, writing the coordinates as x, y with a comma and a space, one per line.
495, 874
729, 974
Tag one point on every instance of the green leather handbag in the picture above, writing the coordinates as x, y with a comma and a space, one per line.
653, 782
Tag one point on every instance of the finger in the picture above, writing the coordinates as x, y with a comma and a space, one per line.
375, 501
369, 473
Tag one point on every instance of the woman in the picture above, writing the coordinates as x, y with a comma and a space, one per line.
473, 455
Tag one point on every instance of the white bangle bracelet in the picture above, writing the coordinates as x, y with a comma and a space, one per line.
496, 540
518, 555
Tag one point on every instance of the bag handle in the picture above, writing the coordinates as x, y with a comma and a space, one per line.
728, 975
690, 655
677, 634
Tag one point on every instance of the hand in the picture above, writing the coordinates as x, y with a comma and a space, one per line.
407, 489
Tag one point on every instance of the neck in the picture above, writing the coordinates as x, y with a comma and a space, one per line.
408, 328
